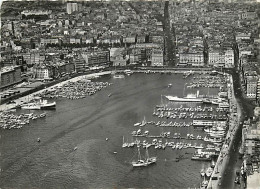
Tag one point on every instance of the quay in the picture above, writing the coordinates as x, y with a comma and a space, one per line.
222, 161
170, 70
27, 98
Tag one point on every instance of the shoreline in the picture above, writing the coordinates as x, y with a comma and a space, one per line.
27, 98
223, 159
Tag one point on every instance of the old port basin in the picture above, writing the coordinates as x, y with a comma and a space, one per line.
184, 128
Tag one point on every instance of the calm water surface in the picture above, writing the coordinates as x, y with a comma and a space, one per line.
86, 123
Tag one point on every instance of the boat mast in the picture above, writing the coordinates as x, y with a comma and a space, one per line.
139, 155
147, 154
144, 121
162, 101
184, 88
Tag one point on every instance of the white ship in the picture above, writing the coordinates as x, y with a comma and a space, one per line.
38, 105
31, 106
144, 162
188, 98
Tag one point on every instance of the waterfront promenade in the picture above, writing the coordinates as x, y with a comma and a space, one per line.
223, 159
29, 97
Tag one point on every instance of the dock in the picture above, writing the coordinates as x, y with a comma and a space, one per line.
27, 98
223, 159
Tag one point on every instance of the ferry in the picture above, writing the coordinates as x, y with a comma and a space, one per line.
42, 104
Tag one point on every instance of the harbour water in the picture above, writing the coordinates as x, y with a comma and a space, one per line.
86, 124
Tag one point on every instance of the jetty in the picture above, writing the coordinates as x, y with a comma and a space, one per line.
27, 98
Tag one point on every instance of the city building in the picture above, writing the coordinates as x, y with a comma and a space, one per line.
96, 58
118, 56
10, 75
72, 7
251, 87
32, 58
195, 59
43, 72
258, 91
157, 58
221, 58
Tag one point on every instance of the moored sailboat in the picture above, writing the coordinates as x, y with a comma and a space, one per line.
144, 162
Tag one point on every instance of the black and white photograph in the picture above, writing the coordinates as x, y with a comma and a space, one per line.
130, 94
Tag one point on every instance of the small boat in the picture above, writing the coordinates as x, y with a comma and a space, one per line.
202, 172
118, 76
109, 95
75, 148
137, 124
213, 164
237, 180
143, 123
124, 143
43, 115
38, 140
209, 172
169, 85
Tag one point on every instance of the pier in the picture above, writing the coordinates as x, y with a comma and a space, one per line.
223, 158
27, 98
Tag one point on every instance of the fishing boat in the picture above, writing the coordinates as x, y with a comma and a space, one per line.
209, 172
144, 162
